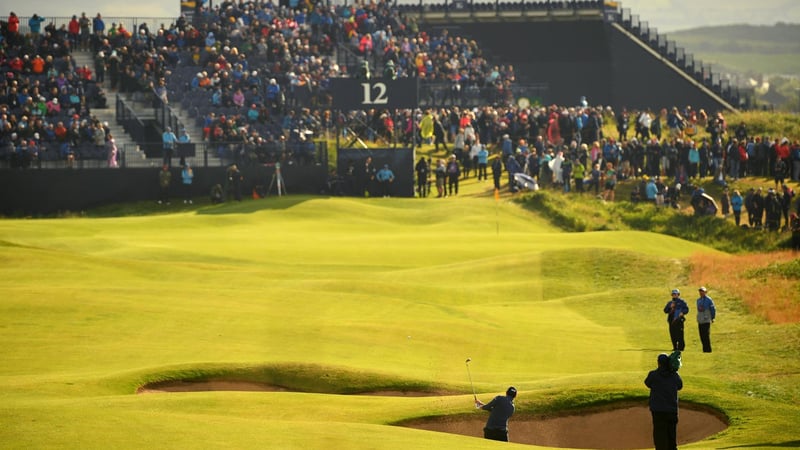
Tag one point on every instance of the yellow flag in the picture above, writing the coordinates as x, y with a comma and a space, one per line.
497, 194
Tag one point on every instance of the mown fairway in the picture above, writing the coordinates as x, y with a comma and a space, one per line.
339, 296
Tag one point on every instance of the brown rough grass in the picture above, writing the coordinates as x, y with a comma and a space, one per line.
774, 298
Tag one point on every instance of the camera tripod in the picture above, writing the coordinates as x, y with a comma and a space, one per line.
277, 181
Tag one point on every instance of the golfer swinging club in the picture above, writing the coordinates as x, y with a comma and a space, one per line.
501, 409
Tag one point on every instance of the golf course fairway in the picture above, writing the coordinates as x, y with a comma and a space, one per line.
330, 298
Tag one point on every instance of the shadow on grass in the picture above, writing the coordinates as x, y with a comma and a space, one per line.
789, 444
249, 206
287, 378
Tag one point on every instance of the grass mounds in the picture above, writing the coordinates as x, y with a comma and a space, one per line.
579, 213
308, 378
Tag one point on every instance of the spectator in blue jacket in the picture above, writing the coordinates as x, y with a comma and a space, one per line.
385, 178
736, 205
664, 384
187, 175
35, 24
169, 141
676, 310
651, 190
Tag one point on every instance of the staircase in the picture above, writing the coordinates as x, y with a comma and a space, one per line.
134, 157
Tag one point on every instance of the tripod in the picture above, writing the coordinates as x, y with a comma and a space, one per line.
277, 180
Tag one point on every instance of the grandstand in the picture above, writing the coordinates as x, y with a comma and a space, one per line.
249, 83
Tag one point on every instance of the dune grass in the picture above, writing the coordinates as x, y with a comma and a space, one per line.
331, 296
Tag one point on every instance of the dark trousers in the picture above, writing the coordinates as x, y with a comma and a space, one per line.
167, 161
452, 184
496, 434
705, 336
482, 171
422, 187
665, 430
676, 335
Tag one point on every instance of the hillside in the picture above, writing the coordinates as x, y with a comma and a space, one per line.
745, 49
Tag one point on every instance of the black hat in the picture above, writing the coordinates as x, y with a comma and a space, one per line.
511, 392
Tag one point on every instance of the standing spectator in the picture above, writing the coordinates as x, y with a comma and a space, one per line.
779, 172
610, 182
794, 224
772, 208
594, 179
13, 24
706, 313
169, 141
385, 178
483, 160
85, 31
758, 208
187, 176
74, 32
578, 172
423, 170
438, 134
501, 409
453, 174
795, 161
234, 177
98, 32
786, 203
497, 171
35, 24
364, 178
164, 181
725, 200
736, 206
112, 151
676, 310
183, 141
664, 384
441, 174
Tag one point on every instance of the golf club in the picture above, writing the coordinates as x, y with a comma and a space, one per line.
470, 380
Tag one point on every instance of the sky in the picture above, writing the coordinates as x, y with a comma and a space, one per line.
665, 15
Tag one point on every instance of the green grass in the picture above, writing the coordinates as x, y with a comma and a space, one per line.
330, 296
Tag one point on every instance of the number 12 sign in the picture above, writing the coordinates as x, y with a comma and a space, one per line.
351, 93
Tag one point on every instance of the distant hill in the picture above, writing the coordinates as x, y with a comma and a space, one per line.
745, 49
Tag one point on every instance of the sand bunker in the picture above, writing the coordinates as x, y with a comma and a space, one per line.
628, 427
623, 426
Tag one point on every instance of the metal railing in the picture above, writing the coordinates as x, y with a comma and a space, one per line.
703, 73
129, 23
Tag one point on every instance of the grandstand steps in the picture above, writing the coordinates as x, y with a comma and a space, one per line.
133, 154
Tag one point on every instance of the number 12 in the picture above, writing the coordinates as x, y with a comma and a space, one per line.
380, 89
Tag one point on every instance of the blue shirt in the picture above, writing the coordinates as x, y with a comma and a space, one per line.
169, 139
651, 190
385, 174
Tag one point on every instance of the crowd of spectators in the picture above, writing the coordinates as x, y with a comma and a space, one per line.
256, 77
45, 100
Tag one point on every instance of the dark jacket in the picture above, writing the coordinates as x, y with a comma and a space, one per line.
664, 384
502, 408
